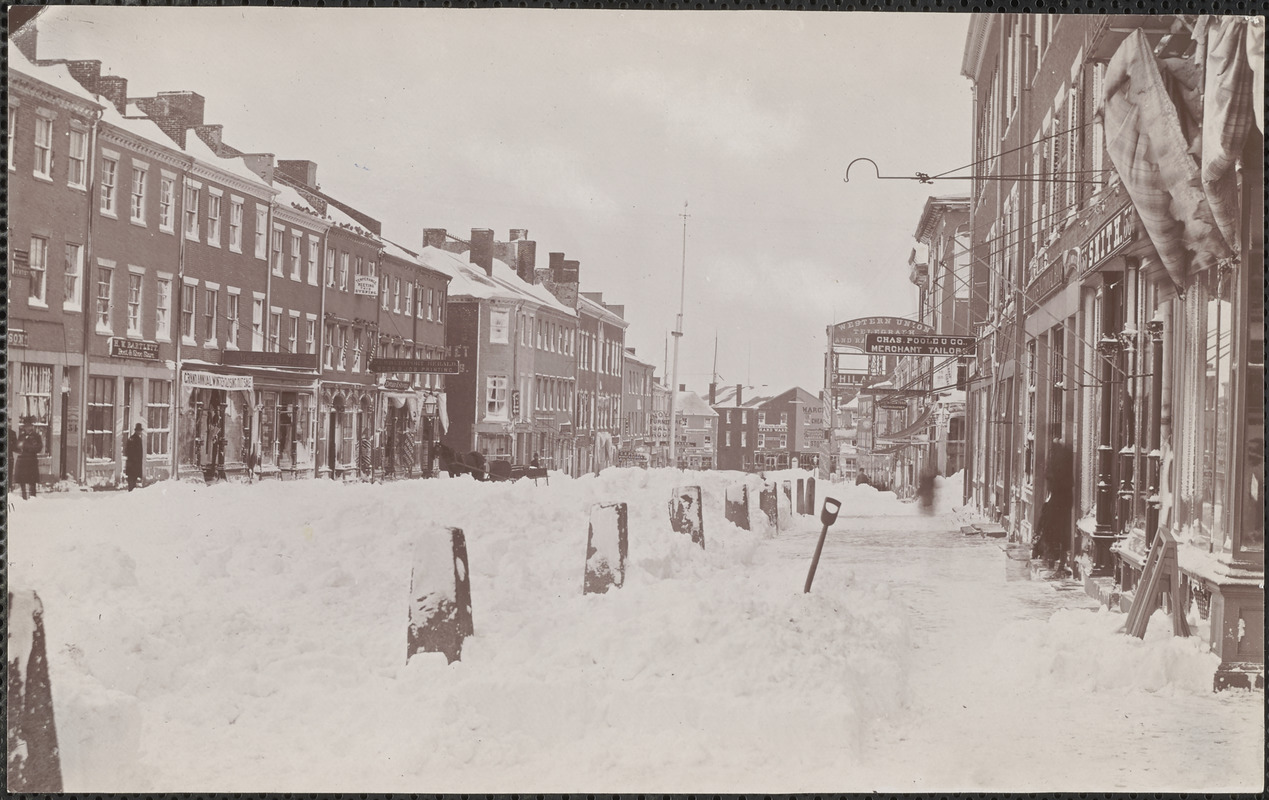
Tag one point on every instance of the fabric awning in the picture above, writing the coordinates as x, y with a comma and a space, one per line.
921, 423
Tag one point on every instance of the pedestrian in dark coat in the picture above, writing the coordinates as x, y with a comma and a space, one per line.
1053, 541
134, 457
925, 490
26, 470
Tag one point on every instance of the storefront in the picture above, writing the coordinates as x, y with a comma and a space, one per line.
345, 436
215, 424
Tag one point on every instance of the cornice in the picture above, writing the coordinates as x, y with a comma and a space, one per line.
201, 169
21, 83
115, 135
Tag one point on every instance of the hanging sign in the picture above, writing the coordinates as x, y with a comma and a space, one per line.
435, 366
902, 344
852, 332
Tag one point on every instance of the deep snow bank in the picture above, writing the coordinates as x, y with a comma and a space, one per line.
266, 625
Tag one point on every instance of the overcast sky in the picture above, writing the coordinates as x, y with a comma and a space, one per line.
591, 129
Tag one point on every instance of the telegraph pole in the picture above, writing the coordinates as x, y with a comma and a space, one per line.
678, 334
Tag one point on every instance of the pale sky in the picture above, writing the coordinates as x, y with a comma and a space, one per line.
591, 129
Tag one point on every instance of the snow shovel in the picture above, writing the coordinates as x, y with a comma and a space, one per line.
828, 515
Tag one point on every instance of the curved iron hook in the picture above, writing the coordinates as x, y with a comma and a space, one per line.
876, 170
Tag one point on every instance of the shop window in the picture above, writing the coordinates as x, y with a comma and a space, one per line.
35, 399
158, 418
100, 427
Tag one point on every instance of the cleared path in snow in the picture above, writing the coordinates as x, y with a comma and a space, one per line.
996, 704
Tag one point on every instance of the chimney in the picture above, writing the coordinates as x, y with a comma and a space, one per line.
26, 37
211, 136
262, 165
713, 393
434, 237
556, 266
526, 258
738, 394
115, 89
299, 170
174, 112
482, 241
516, 234
568, 273
86, 72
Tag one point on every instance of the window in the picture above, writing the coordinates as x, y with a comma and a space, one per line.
275, 328
295, 256
328, 349
396, 294
275, 243
262, 231
330, 268
342, 356
104, 277
743, 436
409, 299
356, 359
293, 338
72, 271
109, 175
312, 261
163, 308
258, 323
101, 419
167, 195
35, 399
784, 441
189, 299
762, 418
232, 318
43, 148
499, 320
235, 224
496, 398
77, 169
134, 303
343, 272
429, 305
727, 439
384, 294
13, 127
762, 440
191, 211
784, 418
136, 204
211, 305
158, 418
214, 200
310, 335
38, 263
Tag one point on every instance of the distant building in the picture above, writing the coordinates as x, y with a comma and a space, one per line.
636, 411
697, 434
791, 430
737, 427
602, 334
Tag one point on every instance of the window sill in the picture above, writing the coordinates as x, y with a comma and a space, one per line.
72, 309
108, 214
189, 342
191, 237
135, 335
211, 345
237, 250
101, 331
213, 243
140, 223
32, 303
42, 178
168, 231
77, 187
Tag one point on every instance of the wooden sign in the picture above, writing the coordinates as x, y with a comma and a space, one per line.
685, 514
440, 595
607, 543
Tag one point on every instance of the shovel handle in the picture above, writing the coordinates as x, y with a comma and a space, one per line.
829, 515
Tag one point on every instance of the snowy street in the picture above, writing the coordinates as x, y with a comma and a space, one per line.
252, 638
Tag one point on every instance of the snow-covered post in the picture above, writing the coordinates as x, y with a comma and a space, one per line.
801, 495
685, 513
736, 506
34, 762
607, 542
768, 504
810, 496
440, 595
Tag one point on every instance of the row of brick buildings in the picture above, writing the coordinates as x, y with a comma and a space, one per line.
1116, 291
251, 322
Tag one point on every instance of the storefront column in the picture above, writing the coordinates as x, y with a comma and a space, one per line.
1104, 534
1155, 454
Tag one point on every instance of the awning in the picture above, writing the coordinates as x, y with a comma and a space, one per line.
921, 423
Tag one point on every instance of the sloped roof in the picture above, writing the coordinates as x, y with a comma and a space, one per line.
691, 404
469, 280
55, 75
598, 310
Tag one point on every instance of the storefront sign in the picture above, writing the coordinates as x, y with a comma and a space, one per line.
907, 344
393, 385
849, 378
434, 366
852, 332
254, 359
366, 286
132, 348
17, 338
1108, 240
515, 403
210, 380
882, 391
1048, 281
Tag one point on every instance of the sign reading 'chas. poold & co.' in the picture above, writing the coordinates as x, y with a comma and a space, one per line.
133, 348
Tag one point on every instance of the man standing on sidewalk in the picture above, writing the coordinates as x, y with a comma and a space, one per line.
134, 457
1053, 543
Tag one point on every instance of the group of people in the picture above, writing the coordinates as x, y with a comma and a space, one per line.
26, 445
